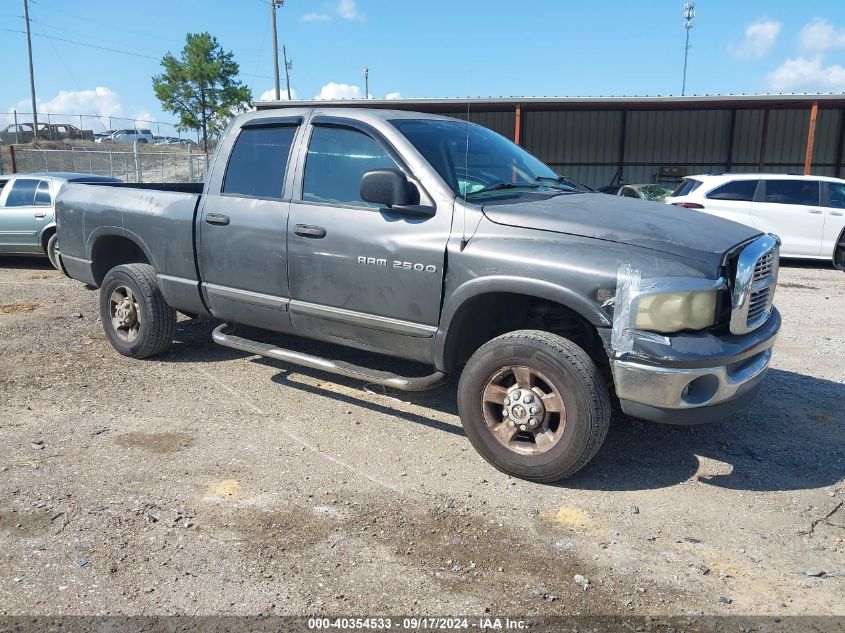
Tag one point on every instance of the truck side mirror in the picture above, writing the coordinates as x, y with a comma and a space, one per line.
389, 187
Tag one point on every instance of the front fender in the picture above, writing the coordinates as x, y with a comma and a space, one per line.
516, 285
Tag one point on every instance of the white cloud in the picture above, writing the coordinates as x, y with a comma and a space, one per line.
344, 9
811, 74
95, 105
393, 95
100, 101
270, 95
316, 17
820, 35
348, 10
760, 38
334, 90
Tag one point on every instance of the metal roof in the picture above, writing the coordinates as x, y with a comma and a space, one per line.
457, 104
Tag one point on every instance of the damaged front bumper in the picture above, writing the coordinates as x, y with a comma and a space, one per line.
695, 377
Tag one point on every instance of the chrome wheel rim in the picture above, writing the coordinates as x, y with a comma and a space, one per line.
125, 313
523, 410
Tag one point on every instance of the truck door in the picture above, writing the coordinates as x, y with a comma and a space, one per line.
359, 274
241, 247
25, 208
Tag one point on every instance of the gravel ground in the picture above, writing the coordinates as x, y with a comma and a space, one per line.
207, 481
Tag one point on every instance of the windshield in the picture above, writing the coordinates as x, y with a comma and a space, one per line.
475, 161
657, 193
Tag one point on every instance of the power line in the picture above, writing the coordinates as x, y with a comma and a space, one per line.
102, 48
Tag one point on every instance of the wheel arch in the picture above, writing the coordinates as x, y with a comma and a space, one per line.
113, 248
46, 233
457, 333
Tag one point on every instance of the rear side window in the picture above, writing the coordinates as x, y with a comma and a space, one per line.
804, 192
22, 193
687, 186
258, 162
337, 160
742, 190
42, 194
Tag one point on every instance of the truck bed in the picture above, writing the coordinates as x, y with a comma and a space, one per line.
158, 217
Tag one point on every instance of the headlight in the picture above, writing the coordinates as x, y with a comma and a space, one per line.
676, 311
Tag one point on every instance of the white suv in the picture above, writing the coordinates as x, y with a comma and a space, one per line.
806, 212
130, 136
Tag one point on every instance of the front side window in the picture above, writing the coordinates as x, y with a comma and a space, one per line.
805, 192
836, 195
42, 194
22, 193
259, 161
740, 190
475, 161
337, 160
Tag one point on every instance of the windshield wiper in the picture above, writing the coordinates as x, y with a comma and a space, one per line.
566, 181
504, 185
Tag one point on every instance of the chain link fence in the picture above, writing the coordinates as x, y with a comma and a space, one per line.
134, 165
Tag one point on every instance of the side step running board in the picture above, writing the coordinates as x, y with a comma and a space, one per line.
403, 383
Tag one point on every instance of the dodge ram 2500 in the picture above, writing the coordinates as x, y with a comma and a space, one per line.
436, 240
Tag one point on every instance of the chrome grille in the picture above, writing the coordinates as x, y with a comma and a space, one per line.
754, 285
764, 266
758, 306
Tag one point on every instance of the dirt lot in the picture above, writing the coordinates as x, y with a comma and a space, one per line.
208, 481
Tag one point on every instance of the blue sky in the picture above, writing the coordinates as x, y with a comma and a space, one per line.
424, 49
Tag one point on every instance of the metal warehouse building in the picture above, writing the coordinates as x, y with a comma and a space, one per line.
605, 140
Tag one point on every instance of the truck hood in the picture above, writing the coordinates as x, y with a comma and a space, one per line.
660, 227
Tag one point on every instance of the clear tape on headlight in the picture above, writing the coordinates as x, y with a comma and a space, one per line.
636, 296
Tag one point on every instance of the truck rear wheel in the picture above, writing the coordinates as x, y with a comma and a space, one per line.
534, 405
136, 318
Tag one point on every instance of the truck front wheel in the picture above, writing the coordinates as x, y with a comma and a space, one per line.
534, 405
136, 318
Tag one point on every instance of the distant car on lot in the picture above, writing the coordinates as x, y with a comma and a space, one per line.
27, 211
23, 133
127, 136
653, 192
172, 140
806, 212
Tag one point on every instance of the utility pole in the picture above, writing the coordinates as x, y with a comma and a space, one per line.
31, 72
689, 14
273, 5
366, 83
288, 66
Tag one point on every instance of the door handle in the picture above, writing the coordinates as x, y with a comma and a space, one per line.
835, 212
814, 211
217, 218
306, 230
40, 216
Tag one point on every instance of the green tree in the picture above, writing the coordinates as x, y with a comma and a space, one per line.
201, 86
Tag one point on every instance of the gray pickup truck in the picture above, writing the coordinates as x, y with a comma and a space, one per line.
431, 239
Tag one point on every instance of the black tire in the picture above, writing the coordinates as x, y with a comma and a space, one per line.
155, 320
50, 249
569, 372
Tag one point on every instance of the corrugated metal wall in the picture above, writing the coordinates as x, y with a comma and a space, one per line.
501, 122
586, 144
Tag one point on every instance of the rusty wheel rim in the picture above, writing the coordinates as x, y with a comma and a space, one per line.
523, 410
125, 313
